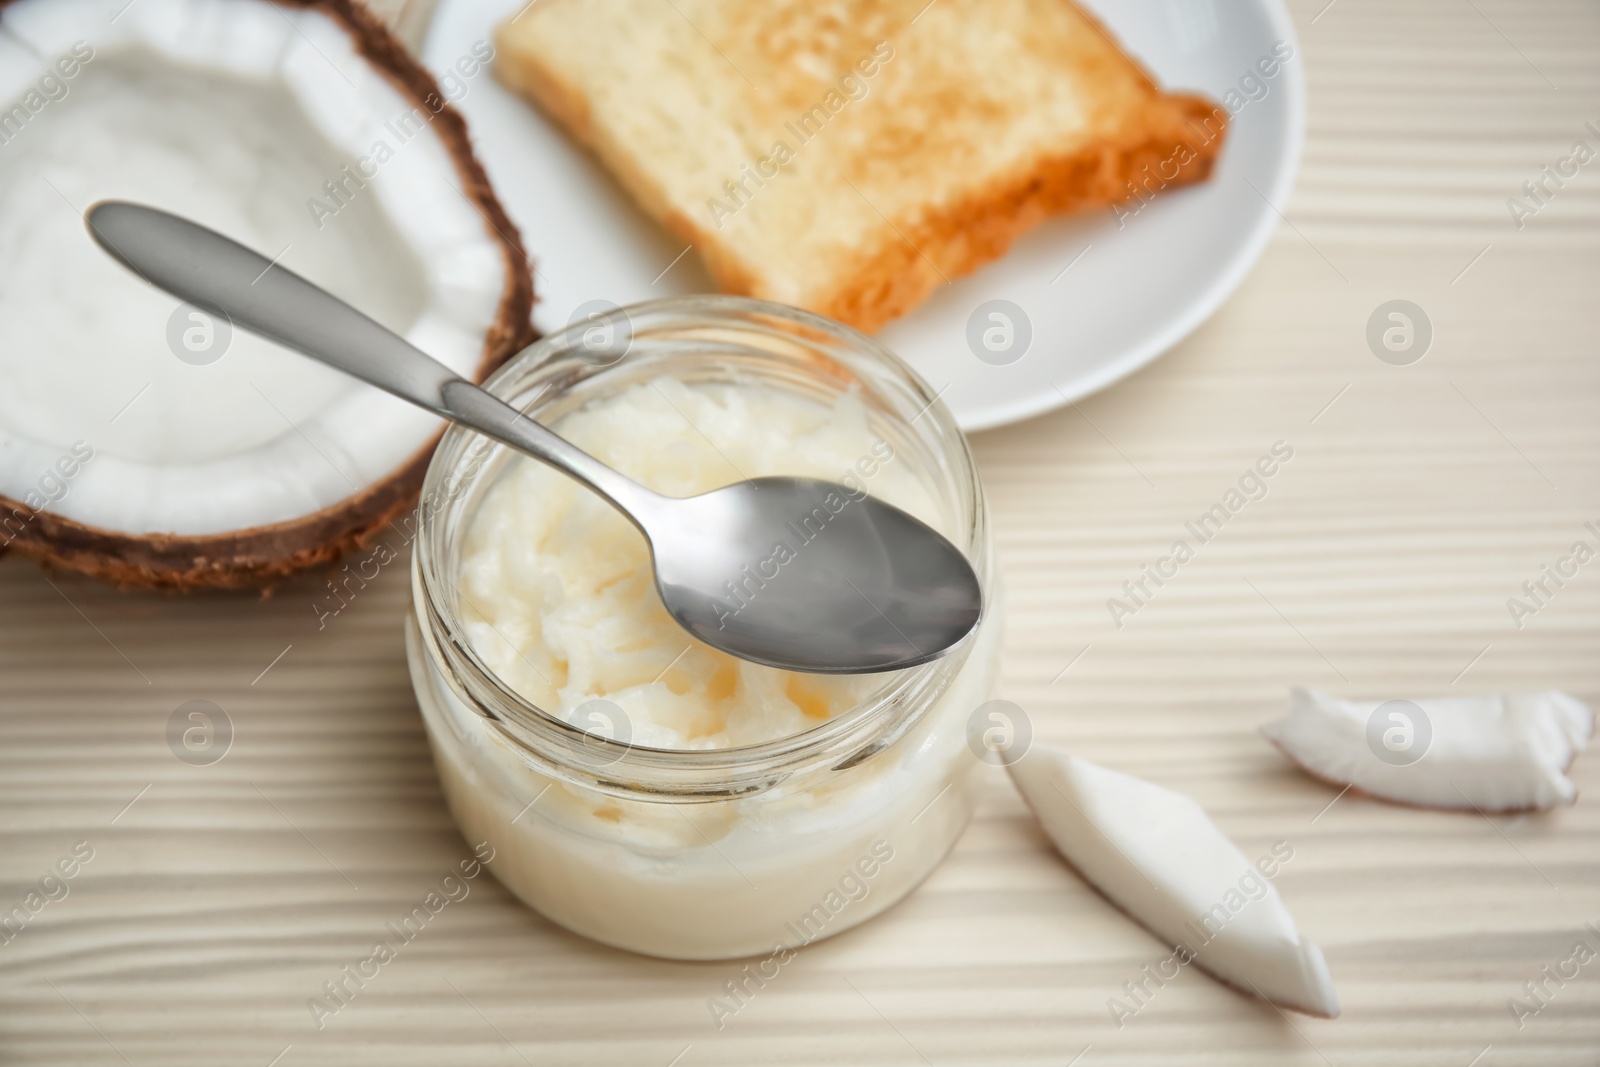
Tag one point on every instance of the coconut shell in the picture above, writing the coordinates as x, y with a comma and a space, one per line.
262, 556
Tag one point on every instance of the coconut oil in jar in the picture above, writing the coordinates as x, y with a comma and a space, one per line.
639, 787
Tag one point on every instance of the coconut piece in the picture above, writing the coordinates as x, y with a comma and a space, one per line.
1156, 855
305, 130
1488, 753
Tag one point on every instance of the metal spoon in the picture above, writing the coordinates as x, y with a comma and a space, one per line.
795, 573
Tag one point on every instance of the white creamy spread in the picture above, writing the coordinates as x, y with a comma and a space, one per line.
558, 598
558, 592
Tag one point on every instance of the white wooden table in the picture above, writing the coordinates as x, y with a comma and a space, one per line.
1418, 500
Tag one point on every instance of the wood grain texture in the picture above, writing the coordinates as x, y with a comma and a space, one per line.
1418, 500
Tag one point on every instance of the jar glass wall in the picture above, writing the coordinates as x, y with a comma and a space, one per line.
719, 852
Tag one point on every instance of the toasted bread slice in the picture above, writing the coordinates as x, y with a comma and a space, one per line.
850, 157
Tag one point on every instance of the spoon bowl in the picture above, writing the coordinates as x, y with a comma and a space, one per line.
861, 580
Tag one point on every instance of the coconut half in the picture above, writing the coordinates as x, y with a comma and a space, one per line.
140, 441
1156, 855
1491, 753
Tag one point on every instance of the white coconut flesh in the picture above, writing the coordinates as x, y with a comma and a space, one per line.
1490, 753
235, 113
1158, 856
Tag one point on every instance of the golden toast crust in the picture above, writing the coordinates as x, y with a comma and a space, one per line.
878, 288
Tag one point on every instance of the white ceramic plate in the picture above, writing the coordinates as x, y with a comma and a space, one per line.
1102, 296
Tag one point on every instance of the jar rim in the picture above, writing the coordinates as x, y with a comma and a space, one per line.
544, 739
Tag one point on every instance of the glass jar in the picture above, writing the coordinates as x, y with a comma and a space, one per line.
720, 853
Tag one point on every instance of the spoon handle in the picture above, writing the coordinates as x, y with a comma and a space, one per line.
222, 277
